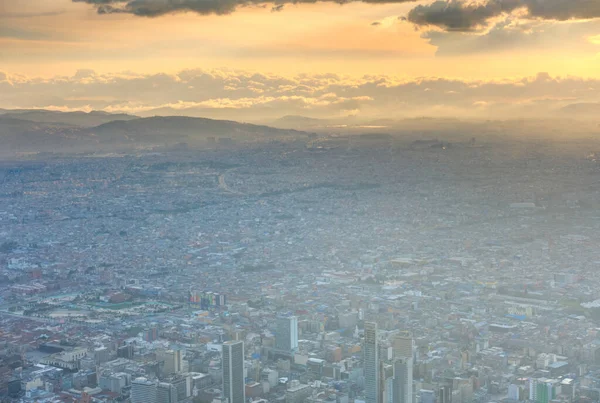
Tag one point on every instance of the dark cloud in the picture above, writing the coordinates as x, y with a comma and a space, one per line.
457, 15
563, 10
277, 8
452, 15
155, 8
512, 35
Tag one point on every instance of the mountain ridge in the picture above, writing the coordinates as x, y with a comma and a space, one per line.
20, 135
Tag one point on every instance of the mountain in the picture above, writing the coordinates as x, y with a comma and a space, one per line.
83, 119
19, 135
183, 126
590, 110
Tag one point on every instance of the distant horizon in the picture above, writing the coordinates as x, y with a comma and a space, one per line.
261, 98
259, 60
351, 119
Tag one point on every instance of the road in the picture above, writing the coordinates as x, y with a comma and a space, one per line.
223, 184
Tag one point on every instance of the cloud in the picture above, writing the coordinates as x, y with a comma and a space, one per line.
460, 15
156, 8
457, 15
562, 10
249, 96
513, 34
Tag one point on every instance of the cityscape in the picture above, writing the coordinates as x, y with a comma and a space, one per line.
319, 270
299, 201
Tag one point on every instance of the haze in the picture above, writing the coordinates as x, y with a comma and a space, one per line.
299, 201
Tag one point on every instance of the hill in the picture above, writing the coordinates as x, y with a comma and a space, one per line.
20, 135
83, 119
589, 110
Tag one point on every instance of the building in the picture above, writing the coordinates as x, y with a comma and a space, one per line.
445, 394
348, 319
166, 393
114, 382
151, 334
101, 355
542, 390
143, 391
173, 361
233, 372
371, 363
207, 299
427, 396
287, 333
402, 390
184, 385
125, 351
66, 359
297, 392
403, 345
514, 392
314, 368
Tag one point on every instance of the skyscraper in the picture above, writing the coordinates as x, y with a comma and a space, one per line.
234, 388
371, 363
403, 380
287, 333
403, 345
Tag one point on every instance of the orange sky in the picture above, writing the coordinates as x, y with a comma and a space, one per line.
304, 38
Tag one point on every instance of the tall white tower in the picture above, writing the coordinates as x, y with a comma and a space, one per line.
234, 387
371, 363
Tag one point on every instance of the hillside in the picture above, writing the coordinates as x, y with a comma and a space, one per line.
83, 119
20, 135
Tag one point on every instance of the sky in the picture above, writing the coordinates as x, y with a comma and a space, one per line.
250, 58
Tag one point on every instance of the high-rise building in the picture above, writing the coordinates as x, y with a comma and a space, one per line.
183, 384
403, 345
403, 380
166, 393
234, 388
173, 361
542, 390
371, 363
151, 334
514, 392
386, 381
445, 394
125, 351
287, 333
143, 391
